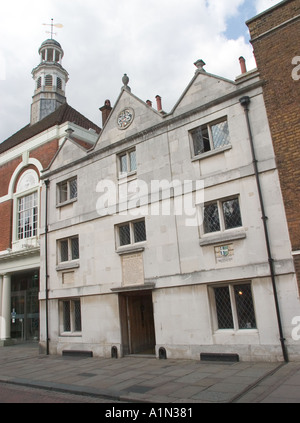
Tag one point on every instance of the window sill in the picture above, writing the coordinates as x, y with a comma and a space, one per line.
211, 153
71, 335
219, 238
126, 177
127, 249
66, 203
67, 265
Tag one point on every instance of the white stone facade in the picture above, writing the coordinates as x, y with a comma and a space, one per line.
162, 290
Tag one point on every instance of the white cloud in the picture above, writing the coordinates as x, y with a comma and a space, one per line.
154, 42
262, 5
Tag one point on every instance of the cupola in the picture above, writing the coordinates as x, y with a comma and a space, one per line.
50, 81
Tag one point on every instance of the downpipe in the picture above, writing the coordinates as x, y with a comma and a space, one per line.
245, 101
47, 183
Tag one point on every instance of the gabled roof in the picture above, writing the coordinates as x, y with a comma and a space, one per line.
64, 113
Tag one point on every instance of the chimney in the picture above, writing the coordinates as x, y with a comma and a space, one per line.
149, 103
243, 64
105, 110
158, 101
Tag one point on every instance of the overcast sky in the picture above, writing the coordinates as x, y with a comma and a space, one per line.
155, 42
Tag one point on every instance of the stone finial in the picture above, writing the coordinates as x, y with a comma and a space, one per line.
125, 81
199, 65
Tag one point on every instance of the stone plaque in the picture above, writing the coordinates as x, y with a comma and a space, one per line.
132, 269
224, 253
68, 277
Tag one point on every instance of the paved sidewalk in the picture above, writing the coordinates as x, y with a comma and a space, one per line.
149, 380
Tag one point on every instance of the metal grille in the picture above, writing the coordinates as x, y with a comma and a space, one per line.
123, 163
232, 214
200, 140
244, 306
64, 250
124, 234
132, 160
223, 305
73, 188
139, 231
67, 316
77, 316
220, 134
211, 218
75, 248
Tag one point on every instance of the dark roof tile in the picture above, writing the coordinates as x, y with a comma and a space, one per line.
64, 113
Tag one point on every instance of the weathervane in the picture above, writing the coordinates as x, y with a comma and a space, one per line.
52, 25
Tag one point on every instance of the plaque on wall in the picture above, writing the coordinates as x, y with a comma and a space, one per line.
132, 269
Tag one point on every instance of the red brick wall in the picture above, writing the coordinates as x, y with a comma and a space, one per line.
274, 52
6, 172
45, 153
5, 225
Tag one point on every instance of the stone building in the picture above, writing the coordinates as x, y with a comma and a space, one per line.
176, 243
275, 40
22, 158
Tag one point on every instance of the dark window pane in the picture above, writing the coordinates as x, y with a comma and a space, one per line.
244, 306
223, 305
77, 311
66, 316
200, 140
211, 218
139, 231
75, 248
64, 255
124, 232
232, 214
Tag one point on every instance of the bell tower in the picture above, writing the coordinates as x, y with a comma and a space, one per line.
50, 81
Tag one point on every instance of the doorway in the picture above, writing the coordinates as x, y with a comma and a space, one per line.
25, 306
137, 323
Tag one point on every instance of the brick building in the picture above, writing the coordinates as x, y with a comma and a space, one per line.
22, 159
275, 39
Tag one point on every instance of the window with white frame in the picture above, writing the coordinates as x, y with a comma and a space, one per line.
68, 249
67, 191
70, 311
27, 216
26, 205
127, 162
131, 233
210, 137
234, 307
221, 215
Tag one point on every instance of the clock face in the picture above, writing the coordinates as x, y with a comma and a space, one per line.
125, 118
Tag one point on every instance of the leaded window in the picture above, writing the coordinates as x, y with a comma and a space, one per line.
210, 137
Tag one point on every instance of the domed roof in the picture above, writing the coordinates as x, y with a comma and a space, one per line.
50, 42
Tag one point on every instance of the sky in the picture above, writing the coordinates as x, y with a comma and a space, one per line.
155, 43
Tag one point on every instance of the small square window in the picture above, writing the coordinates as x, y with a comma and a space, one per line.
131, 233
127, 162
222, 215
67, 191
68, 249
210, 137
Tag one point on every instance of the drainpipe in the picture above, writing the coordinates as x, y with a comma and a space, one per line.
47, 183
245, 101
